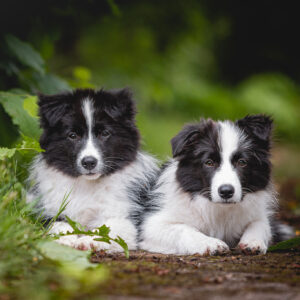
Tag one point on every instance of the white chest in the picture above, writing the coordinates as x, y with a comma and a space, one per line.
88, 202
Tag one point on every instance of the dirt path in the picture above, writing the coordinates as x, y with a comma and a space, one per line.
235, 276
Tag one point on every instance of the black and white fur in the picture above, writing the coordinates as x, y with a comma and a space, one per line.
217, 192
91, 155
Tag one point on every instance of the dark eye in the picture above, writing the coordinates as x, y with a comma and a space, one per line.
73, 135
209, 163
242, 163
104, 133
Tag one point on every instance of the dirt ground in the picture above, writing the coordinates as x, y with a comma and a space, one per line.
234, 276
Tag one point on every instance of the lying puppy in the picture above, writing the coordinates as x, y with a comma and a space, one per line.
91, 155
217, 192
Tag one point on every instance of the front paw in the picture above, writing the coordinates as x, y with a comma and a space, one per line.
60, 227
88, 243
252, 247
210, 246
68, 240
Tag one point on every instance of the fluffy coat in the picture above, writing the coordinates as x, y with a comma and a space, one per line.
216, 193
92, 158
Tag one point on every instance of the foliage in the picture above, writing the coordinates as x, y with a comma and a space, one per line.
292, 244
13, 105
29, 261
25, 54
101, 234
27, 144
177, 83
24, 66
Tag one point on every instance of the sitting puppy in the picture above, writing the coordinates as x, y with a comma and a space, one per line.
217, 192
91, 157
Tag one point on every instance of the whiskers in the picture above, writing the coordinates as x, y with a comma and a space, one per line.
113, 163
246, 190
206, 192
114, 158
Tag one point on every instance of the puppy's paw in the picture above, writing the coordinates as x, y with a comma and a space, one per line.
252, 247
217, 247
67, 240
210, 246
60, 227
88, 243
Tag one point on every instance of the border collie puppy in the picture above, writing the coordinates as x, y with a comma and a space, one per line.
91, 155
217, 192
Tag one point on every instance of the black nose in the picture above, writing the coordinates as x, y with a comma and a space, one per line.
226, 191
89, 162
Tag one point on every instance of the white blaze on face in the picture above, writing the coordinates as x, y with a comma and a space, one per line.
89, 149
226, 174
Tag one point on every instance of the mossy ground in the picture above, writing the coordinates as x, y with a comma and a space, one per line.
234, 276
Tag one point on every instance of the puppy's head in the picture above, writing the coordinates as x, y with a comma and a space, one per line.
88, 133
223, 161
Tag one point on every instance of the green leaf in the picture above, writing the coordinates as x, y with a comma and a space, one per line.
103, 230
30, 105
103, 239
101, 234
7, 153
286, 245
73, 263
25, 53
50, 84
65, 254
13, 105
78, 228
29, 144
123, 244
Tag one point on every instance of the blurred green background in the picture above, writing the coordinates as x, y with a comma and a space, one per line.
182, 59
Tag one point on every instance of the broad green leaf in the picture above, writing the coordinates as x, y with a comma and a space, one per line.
8, 132
30, 105
50, 84
286, 245
13, 105
7, 153
25, 53
74, 263
65, 254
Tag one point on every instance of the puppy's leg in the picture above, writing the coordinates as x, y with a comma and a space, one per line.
256, 238
180, 239
118, 227
63, 227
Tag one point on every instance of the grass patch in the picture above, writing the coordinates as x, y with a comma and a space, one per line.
27, 256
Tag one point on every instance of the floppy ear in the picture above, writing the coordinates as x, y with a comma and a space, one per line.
183, 141
119, 104
258, 126
52, 108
